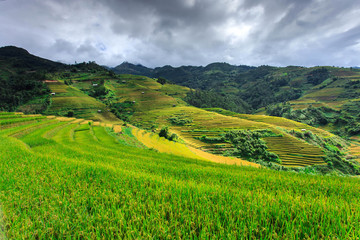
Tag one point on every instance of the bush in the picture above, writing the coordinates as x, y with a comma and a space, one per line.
161, 80
70, 113
179, 120
164, 132
248, 144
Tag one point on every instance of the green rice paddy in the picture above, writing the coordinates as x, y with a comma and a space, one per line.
67, 180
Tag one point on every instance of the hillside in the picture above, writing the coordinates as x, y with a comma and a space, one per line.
13, 57
264, 85
85, 181
148, 104
332, 91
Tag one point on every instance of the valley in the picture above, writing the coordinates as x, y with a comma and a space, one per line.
93, 154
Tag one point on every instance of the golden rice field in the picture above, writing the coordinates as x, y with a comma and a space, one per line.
153, 141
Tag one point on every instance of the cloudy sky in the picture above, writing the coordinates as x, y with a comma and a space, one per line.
186, 32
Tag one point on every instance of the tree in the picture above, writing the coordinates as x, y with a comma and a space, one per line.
161, 80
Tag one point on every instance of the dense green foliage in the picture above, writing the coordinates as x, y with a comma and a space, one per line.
180, 120
246, 144
123, 110
165, 133
346, 120
208, 77
21, 76
18, 89
62, 180
98, 90
161, 80
333, 148
210, 99
317, 76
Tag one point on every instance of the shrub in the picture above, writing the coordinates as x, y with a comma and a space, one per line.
248, 144
179, 120
165, 133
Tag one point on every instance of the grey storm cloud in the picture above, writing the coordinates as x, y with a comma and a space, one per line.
186, 32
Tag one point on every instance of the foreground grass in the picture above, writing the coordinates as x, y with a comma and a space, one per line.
63, 180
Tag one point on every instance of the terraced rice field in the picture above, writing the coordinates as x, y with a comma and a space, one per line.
163, 145
326, 94
69, 98
294, 153
147, 93
155, 103
354, 148
68, 179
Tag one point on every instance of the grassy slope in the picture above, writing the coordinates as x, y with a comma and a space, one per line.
70, 98
330, 93
65, 179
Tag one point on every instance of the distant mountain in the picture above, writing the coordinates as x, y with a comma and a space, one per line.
14, 57
135, 69
191, 76
22, 78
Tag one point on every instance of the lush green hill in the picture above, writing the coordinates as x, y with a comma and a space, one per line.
22, 78
333, 92
12, 57
62, 179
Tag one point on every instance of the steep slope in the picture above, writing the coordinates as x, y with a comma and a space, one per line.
18, 59
70, 101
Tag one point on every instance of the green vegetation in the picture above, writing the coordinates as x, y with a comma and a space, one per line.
210, 99
61, 179
253, 88
123, 110
19, 89
161, 80
344, 122
21, 76
164, 132
180, 119
317, 76
249, 144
